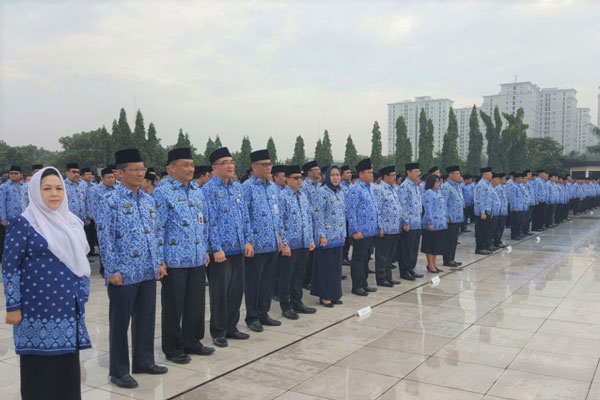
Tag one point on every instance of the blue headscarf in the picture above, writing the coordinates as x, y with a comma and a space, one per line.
327, 180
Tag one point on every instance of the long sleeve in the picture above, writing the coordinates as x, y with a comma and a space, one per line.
15, 249
2, 203
429, 204
214, 239
106, 224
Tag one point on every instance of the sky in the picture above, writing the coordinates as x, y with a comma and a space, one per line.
276, 68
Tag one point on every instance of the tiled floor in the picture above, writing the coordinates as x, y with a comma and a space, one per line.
517, 325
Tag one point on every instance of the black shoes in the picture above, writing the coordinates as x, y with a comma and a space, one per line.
180, 358
125, 382
200, 350
500, 246
152, 370
358, 292
453, 264
308, 286
338, 302
370, 289
407, 277
346, 262
386, 284
394, 282
483, 252
328, 305
303, 309
238, 335
255, 326
371, 271
290, 314
268, 321
220, 342
437, 271
415, 275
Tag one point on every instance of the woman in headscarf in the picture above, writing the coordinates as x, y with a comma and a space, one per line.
434, 222
330, 231
46, 283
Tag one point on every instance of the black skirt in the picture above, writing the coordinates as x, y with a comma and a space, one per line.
50, 377
433, 242
327, 273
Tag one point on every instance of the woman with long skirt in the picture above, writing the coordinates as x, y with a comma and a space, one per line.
434, 223
330, 230
46, 283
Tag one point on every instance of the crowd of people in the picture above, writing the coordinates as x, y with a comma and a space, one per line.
261, 238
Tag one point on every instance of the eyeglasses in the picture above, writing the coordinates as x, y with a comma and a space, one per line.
265, 164
228, 162
141, 169
298, 178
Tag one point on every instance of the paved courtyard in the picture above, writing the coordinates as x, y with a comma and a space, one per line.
523, 324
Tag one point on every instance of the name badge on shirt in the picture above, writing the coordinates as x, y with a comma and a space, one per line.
275, 209
200, 218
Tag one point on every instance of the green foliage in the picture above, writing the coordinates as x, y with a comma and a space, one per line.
272, 150
299, 156
243, 162
475, 144
492, 135
544, 153
350, 155
218, 144
425, 141
139, 135
514, 143
403, 153
450, 145
122, 136
327, 153
595, 149
157, 155
376, 147
89, 149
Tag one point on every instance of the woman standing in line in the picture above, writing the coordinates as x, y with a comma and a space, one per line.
434, 223
46, 283
331, 233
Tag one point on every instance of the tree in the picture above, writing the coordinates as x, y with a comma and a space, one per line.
475, 144
425, 142
218, 144
210, 147
595, 149
319, 153
403, 153
299, 156
376, 147
544, 153
156, 152
327, 155
243, 162
139, 135
514, 142
125, 135
182, 140
450, 144
272, 150
492, 135
86, 148
350, 155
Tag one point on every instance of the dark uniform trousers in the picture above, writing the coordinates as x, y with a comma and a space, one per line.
291, 274
408, 250
135, 302
526, 220
549, 215
493, 231
347, 243
260, 274
499, 231
359, 265
90, 234
516, 227
2, 236
182, 315
276, 275
308, 269
482, 232
385, 251
539, 212
575, 206
468, 212
450, 241
226, 289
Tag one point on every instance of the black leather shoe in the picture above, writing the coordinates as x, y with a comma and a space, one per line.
466, 231
200, 350
220, 342
483, 252
407, 277
370, 289
268, 321
448, 264
152, 370
394, 282
371, 271
290, 314
238, 335
360, 292
501, 245
125, 382
338, 302
308, 286
179, 359
437, 271
275, 298
328, 305
303, 309
415, 275
386, 284
344, 277
457, 263
255, 326
346, 262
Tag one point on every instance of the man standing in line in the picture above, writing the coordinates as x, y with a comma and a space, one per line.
467, 190
411, 200
310, 187
11, 203
482, 199
541, 196
455, 212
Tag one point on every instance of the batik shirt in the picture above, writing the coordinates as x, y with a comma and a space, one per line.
11, 197
311, 190
295, 219
362, 210
331, 219
482, 197
468, 193
182, 214
435, 210
76, 197
229, 227
412, 204
497, 203
389, 210
539, 189
517, 198
95, 197
261, 200
51, 297
130, 235
455, 203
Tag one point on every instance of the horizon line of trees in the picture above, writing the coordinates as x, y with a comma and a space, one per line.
507, 149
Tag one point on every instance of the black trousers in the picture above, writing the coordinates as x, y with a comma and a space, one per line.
260, 274
516, 228
135, 302
494, 229
309, 268
2, 236
359, 265
182, 315
226, 289
549, 215
575, 206
468, 212
276, 275
291, 274
450, 241
50, 377
539, 212
482, 233
408, 250
499, 229
385, 250
91, 236
526, 221
347, 243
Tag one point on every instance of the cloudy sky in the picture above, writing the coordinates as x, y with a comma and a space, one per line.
276, 68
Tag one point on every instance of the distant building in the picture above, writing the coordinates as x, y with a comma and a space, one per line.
584, 127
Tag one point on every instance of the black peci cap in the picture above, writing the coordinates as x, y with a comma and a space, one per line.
292, 169
387, 170
72, 165
309, 165
452, 168
128, 156
218, 154
259, 155
364, 165
182, 153
411, 166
